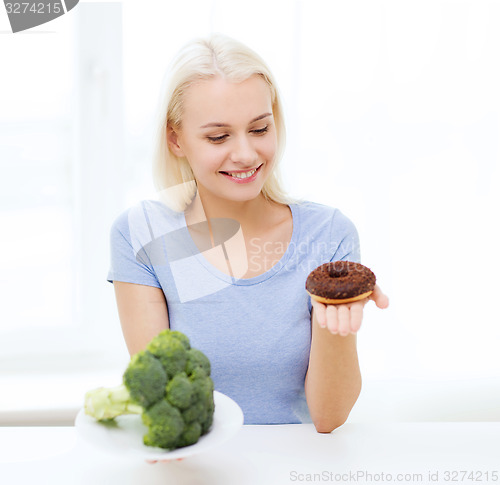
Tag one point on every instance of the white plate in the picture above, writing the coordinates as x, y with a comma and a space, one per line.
126, 435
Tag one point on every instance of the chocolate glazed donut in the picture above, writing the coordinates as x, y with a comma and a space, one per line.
340, 282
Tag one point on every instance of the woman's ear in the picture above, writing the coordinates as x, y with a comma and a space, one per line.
173, 142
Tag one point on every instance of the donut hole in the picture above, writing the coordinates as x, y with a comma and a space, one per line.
336, 272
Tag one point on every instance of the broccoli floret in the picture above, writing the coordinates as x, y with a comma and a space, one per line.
170, 350
202, 405
179, 336
191, 434
169, 385
203, 393
196, 358
145, 378
180, 391
165, 425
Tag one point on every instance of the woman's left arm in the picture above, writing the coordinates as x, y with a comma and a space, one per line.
333, 379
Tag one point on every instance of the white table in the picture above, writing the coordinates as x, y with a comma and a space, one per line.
274, 455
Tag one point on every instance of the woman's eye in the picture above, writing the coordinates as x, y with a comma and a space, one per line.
222, 138
217, 139
261, 131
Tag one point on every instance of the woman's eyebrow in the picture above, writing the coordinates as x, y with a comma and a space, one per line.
222, 125
265, 115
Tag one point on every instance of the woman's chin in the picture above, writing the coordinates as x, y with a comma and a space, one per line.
232, 192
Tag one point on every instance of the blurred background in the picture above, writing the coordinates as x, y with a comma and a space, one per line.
392, 114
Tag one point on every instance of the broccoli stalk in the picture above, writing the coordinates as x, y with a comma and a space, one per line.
108, 403
169, 385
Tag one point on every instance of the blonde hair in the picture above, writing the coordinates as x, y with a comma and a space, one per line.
202, 59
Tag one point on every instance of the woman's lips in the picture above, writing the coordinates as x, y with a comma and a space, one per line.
242, 177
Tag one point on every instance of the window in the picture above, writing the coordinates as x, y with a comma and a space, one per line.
61, 143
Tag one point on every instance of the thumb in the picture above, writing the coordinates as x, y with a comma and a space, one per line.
380, 299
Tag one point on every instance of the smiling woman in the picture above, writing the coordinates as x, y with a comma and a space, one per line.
399, 129
222, 129
241, 97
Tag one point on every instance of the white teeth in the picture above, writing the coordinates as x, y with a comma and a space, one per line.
242, 175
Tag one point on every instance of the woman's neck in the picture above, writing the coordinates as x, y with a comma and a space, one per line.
262, 224
249, 214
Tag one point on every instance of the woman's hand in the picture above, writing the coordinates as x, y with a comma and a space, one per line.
344, 319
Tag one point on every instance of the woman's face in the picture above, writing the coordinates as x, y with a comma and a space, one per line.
228, 136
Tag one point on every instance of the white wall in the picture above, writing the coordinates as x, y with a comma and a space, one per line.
393, 116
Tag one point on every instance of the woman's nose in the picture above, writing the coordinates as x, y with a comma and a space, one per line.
243, 151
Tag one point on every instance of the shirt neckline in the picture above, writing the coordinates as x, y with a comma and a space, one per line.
263, 276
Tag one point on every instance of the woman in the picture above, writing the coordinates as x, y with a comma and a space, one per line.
224, 255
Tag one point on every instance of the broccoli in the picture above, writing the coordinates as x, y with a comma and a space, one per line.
169, 385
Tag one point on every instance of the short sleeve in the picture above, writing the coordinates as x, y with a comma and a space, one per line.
128, 264
345, 239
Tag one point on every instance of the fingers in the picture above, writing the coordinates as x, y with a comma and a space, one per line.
332, 318
380, 299
344, 319
356, 316
336, 318
319, 312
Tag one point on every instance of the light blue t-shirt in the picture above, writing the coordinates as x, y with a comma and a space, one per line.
256, 331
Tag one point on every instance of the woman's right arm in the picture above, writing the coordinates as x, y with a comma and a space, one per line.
142, 311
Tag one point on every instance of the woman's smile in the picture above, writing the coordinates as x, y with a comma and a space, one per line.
242, 176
